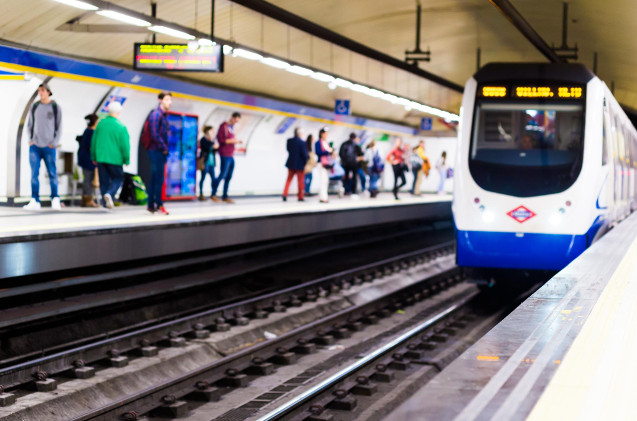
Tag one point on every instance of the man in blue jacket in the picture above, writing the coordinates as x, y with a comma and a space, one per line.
298, 156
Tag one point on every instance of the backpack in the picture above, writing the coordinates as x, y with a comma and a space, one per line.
55, 117
348, 154
146, 139
377, 164
415, 160
133, 190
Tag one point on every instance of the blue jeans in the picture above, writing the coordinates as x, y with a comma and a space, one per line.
308, 181
373, 181
157, 168
363, 178
209, 169
111, 178
36, 154
225, 173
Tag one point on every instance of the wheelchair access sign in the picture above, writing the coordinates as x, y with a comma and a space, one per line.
341, 107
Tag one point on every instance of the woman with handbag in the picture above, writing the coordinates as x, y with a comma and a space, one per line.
324, 155
396, 158
206, 159
419, 165
310, 164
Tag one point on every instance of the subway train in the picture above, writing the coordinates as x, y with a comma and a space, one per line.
545, 165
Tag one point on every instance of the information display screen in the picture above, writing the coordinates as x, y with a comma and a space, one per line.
531, 91
179, 57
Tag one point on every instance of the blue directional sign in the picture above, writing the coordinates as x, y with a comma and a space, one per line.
285, 125
426, 123
341, 107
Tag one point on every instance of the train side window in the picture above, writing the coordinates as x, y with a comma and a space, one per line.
605, 134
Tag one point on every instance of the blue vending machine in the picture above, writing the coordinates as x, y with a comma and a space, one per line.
181, 165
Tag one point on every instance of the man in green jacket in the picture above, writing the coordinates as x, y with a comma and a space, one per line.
110, 150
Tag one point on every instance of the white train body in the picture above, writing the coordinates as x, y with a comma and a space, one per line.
545, 165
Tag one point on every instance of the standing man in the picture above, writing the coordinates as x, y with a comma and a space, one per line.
226, 139
350, 154
44, 126
158, 152
297, 158
110, 150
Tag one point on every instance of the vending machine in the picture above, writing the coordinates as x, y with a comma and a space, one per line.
181, 166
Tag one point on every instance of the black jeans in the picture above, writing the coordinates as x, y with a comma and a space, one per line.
399, 173
350, 178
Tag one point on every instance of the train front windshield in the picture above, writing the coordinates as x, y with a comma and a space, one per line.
526, 149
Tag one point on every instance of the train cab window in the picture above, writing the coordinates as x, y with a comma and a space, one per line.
605, 134
526, 149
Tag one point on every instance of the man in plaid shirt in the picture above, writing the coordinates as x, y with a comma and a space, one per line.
158, 152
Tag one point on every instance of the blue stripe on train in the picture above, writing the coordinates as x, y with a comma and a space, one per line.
530, 251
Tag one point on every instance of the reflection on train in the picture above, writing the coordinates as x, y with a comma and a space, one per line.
545, 165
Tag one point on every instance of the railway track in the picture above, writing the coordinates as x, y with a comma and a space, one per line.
44, 373
215, 381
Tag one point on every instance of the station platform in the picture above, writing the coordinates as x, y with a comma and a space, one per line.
33, 242
566, 353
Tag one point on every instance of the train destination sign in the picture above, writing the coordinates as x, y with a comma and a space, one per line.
179, 57
532, 91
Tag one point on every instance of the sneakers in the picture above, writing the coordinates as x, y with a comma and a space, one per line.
151, 211
228, 201
32, 205
55, 203
202, 198
162, 210
354, 196
108, 201
215, 199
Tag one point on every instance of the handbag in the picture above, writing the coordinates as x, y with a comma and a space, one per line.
201, 165
326, 162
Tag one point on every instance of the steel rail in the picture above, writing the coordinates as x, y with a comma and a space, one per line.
366, 360
62, 361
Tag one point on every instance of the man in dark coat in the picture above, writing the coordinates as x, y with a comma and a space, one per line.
297, 158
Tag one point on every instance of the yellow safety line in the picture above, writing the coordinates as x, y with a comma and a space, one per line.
98, 222
597, 378
90, 79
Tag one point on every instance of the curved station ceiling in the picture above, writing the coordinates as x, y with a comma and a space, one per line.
452, 30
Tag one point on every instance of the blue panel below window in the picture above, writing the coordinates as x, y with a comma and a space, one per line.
508, 250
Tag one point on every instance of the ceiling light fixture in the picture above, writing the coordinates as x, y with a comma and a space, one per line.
323, 77
273, 62
123, 18
343, 83
240, 52
227, 50
170, 31
299, 70
79, 4
206, 42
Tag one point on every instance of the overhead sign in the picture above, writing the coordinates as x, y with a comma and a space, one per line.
178, 57
426, 123
532, 91
341, 107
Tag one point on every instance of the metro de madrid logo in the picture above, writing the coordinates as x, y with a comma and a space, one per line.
521, 214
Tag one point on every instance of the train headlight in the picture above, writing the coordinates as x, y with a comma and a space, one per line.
488, 216
557, 217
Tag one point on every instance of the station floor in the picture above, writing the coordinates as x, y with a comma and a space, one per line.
35, 242
566, 353
16, 222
